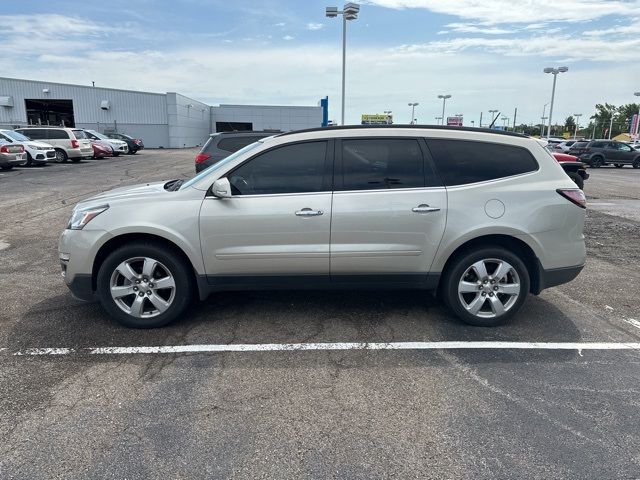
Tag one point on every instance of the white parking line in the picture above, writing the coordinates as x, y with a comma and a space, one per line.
282, 347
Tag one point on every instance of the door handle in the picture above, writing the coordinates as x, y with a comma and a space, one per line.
424, 208
307, 212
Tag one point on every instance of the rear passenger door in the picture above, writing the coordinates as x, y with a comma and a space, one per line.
389, 210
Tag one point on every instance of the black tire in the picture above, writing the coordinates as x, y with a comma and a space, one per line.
461, 263
76, 160
7, 167
636, 163
61, 156
619, 165
116, 154
578, 180
29, 160
176, 266
596, 162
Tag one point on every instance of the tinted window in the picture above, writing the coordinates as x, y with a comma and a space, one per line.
34, 133
598, 145
579, 145
289, 169
370, 163
233, 144
460, 162
55, 134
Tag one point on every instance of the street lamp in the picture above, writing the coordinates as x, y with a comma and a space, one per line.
413, 111
637, 94
544, 123
555, 72
348, 12
388, 114
577, 117
493, 112
438, 120
544, 109
444, 101
505, 121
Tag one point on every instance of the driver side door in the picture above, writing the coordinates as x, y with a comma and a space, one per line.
276, 225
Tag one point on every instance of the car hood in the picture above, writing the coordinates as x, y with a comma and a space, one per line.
141, 190
37, 144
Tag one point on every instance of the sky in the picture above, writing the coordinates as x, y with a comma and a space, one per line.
487, 54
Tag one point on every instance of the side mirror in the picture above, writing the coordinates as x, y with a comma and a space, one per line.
221, 188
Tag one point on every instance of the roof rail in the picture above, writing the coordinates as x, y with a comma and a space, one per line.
419, 127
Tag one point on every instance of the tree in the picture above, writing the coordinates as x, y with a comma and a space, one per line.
570, 124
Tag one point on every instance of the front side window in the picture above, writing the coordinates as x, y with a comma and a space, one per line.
381, 163
293, 168
460, 162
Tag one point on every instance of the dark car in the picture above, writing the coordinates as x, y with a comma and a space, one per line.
597, 153
134, 144
573, 168
221, 145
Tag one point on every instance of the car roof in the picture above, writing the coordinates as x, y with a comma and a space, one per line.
247, 132
400, 126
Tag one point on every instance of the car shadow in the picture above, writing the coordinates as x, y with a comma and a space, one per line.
287, 317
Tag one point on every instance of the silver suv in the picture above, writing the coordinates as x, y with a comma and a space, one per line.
484, 218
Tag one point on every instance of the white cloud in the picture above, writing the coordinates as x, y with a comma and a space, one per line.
288, 38
471, 28
633, 28
279, 24
315, 26
494, 12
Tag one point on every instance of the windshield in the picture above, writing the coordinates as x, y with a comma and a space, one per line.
16, 136
99, 135
220, 164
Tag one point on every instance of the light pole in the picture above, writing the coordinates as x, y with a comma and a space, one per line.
637, 94
413, 106
493, 112
473, 123
505, 121
444, 101
438, 120
555, 72
544, 108
577, 117
388, 114
348, 12
544, 123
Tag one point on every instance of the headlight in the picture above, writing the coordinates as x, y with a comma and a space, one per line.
81, 216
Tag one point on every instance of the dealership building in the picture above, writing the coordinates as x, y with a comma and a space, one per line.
167, 120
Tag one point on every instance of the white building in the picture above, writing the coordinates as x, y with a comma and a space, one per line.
168, 120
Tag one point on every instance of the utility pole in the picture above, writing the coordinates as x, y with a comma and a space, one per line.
480, 124
515, 114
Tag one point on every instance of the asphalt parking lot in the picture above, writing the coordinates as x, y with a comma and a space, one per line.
353, 412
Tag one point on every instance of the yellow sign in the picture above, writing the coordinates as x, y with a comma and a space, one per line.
376, 119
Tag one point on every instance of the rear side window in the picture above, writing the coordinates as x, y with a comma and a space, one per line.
460, 162
579, 144
34, 133
598, 145
55, 134
382, 163
293, 168
233, 144
79, 134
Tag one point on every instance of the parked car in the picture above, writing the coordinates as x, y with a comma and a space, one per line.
38, 153
564, 147
597, 153
134, 144
221, 145
101, 149
118, 145
573, 167
11, 155
63, 140
483, 217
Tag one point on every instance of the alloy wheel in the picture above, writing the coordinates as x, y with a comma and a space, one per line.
142, 287
489, 288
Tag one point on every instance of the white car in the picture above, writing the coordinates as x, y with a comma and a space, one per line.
564, 147
118, 145
36, 152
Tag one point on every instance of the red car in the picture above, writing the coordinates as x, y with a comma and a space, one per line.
574, 168
101, 149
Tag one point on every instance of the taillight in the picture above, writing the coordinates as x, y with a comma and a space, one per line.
4, 149
202, 157
74, 144
137, 141
574, 195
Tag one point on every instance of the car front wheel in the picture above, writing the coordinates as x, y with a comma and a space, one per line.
145, 285
486, 287
61, 156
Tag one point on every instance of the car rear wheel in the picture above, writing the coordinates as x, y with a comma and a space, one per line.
578, 180
486, 287
145, 285
636, 163
7, 167
61, 156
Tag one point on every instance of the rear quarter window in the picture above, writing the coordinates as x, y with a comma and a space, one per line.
461, 162
233, 144
55, 134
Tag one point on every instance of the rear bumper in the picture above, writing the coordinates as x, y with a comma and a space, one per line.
556, 276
